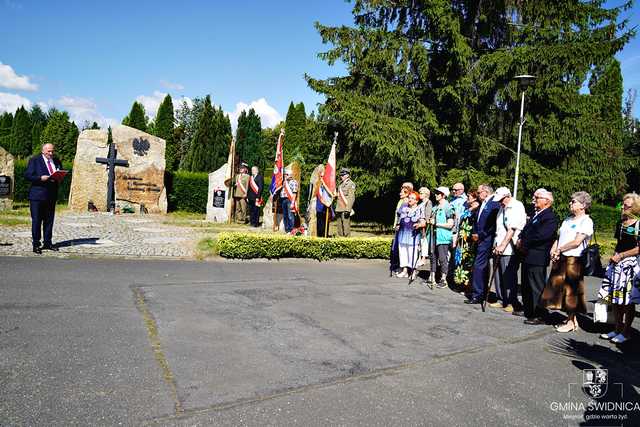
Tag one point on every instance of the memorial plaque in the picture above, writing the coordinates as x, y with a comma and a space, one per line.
6, 180
5, 186
219, 198
140, 184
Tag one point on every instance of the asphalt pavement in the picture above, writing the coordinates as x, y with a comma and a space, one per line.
130, 342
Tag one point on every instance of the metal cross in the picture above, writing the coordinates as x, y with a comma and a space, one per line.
112, 161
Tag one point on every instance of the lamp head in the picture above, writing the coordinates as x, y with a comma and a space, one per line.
524, 80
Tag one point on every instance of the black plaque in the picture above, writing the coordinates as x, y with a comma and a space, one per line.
218, 198
5, 185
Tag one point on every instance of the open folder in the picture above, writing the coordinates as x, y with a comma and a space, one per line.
59, 175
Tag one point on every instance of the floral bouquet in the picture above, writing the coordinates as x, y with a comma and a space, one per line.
300, 231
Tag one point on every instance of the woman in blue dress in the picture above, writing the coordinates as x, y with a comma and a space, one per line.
408, 234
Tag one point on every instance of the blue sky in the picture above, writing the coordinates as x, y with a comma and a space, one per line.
94, 58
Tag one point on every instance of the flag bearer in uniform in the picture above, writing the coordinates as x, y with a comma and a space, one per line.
344, 205
256, 182
240, 193
288, 197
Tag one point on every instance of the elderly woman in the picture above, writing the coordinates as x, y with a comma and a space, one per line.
405, 189
409, 219
565, 288
427, 243
623, 267
465, 246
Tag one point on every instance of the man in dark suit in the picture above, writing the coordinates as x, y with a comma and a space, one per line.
534, 244
484, 231
254, 196
42, 196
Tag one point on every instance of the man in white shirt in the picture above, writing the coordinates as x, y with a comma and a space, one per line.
510, 221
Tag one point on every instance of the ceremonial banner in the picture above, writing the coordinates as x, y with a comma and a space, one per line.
327, 188
278, 169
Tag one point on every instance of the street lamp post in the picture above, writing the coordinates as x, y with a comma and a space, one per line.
523, 82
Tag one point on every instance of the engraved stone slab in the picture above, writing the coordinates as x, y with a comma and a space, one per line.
142, 183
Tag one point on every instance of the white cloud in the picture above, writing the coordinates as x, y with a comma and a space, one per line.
81, 110
269, 116
151, 103
171, 86
11, 102
10, 80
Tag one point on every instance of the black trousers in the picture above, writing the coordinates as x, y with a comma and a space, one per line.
533, 278
42, 216
321, 223
254, 213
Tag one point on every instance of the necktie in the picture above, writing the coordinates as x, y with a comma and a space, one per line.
50, 167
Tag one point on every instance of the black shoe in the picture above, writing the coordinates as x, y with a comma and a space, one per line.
50, 248
37, 250
518, 313
473, 301
535, 322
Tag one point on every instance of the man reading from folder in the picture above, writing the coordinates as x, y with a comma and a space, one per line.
44, 172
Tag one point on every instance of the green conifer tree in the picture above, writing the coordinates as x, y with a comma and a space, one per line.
6, 122
201, 156
430, 94
59, 132
249, 138
21, 134
137, 117
164, 128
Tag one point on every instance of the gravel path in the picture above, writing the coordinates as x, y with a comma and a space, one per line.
106, 234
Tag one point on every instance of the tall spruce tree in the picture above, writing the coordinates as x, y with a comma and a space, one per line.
6, 122
137, 117
223, 138
38, 121
430, 92
187, 118
21, 134
201, 156
249, 138
61, 133
295, 131
164, 128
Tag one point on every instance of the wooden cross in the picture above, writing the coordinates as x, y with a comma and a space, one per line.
112, 161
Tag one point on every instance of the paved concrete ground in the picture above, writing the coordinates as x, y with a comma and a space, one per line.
108, 342
99, 233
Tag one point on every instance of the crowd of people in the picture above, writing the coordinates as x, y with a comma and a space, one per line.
480, 239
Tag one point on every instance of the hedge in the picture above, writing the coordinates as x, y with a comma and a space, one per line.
21, 185
187, 191
250, 245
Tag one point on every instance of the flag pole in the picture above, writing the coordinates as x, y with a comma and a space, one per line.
326, 222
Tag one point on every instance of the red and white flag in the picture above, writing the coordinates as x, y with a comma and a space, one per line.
327, 188
278, 169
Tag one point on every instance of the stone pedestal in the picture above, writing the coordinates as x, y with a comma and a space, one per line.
140, 184
219, 199
7, 180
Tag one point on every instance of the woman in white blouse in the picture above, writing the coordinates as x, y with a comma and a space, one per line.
565, 288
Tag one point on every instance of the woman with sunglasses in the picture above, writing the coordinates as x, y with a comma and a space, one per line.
617, 285
565, 287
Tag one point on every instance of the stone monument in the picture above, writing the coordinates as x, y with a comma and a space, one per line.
218, 200
139, 186
6, 180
